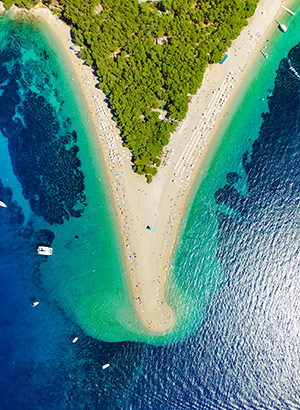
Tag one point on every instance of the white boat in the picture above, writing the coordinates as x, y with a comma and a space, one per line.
44, 250
105, 366
34, 304
282, 27
75, 340
289, 11
3, 204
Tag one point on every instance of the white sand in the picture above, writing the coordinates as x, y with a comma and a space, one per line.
160, 204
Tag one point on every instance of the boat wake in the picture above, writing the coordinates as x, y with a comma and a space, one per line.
294, 71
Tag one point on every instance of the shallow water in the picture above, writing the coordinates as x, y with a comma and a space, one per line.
234, 284
49, 160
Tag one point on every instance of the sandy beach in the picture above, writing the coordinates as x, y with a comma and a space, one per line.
160, 205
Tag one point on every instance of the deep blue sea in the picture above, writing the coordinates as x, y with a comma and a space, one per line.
244, 349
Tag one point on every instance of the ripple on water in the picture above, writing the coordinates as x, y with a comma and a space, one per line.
244, 354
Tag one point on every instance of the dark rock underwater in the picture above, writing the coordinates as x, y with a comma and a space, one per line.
41, 142
244, 355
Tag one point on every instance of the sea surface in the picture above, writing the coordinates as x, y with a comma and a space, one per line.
234, 286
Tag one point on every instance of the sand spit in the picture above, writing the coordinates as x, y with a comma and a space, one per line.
160, 205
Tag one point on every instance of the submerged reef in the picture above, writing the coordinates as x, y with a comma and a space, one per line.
41, 139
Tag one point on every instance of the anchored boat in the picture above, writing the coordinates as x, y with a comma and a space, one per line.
44, 250
282, 27
289, 11
3, 204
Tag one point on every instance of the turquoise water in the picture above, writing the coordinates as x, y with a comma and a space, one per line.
198, 272
85, 277
234, 287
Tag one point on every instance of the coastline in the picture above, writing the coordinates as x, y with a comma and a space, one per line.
161, 204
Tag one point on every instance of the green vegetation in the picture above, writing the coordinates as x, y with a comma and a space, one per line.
26, 4
149, 57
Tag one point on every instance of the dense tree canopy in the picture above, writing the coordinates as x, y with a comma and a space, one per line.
149, 57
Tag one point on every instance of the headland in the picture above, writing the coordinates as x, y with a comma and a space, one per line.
150, 215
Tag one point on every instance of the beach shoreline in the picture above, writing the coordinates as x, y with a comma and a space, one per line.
162, 205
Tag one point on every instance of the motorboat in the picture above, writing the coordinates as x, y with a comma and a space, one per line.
3, 204
44, 250
292, 13
282, 27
